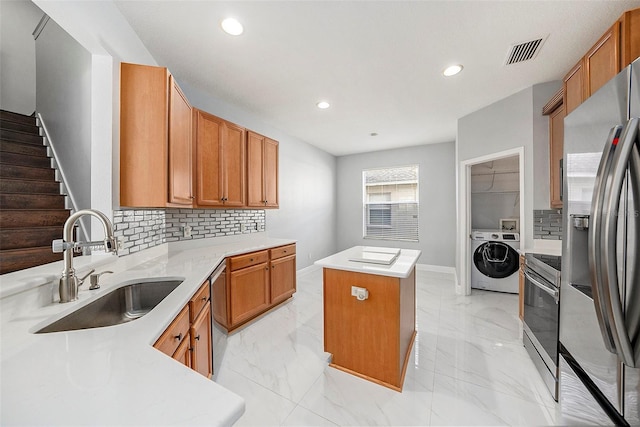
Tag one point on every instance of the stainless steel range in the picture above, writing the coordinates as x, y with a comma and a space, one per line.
541, 315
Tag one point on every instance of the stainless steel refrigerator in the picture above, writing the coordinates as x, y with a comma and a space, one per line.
600, 290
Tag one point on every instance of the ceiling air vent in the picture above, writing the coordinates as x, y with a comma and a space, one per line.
524, 51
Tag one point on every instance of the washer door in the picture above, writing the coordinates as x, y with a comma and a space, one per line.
496, 260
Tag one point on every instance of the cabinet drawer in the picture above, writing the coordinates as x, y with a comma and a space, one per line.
242, 261
283, 251
175, 334
198, 301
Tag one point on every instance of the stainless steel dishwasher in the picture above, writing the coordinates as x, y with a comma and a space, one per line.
219, 336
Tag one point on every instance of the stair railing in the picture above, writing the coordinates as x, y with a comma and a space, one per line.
58, 166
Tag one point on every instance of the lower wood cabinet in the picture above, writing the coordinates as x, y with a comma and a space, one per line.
188, 337
255, 283
248, 292
200, 334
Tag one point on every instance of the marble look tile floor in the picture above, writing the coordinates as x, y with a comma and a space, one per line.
468, 366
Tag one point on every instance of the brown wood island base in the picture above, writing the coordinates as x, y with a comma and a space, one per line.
370, 338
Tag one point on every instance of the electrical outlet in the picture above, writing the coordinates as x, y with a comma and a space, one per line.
186, 230
243, 228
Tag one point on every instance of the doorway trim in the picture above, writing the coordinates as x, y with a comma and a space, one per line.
464, 283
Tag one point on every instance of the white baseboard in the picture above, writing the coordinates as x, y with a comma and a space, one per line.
436, 268
308, 270
439, 269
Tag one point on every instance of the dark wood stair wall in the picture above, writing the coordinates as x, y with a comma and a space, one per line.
32, 210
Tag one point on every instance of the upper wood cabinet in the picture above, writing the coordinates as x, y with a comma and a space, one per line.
180, 147
155, 139
173, 155
614, 50
262, 171
556, 146
574, 88
602, 61
220, 164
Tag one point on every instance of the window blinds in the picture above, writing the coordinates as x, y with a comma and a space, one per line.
390, 203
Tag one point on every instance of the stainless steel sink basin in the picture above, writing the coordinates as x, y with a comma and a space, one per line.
121, 305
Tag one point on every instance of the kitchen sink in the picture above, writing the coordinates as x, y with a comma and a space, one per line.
121, 305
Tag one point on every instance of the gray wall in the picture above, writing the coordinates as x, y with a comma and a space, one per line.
437, 199
63, 98
307, 183
18, 19
515, 121
307, 175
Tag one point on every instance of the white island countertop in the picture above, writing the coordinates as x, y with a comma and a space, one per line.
401, 267
111, 375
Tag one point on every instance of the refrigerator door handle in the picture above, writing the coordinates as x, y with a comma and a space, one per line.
620, 163
632, 312
599, 290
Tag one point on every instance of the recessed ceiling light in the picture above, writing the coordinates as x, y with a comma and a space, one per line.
323, 105
232, 26
452, 70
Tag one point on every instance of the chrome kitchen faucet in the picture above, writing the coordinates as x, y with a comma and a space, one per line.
69, 283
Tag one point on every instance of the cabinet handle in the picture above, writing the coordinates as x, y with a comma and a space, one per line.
204, 298
198, 338
285, 252
179, 336
266, 268
250, 259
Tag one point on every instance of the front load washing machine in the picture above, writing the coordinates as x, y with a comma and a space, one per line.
495, 261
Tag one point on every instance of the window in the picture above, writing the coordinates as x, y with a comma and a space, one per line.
390, 202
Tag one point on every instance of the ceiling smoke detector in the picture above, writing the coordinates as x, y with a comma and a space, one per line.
524, 51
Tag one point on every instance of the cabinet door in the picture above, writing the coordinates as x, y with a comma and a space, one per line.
556, 143
283, 278
255, 190
175, 334
209, 182
201, 343
248, 292
233, 154
180, 176
574, 88
629, 37
602, 62
183, 352
270, 168
143, 135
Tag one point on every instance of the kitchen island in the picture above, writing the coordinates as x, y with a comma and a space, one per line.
369, 312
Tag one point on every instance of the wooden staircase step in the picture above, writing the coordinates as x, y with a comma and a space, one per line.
29, 186
25, 160
17, 117
27, 138
33, 217
21, 148
18, 238
20, 127
26, 172
31, 201
19, 259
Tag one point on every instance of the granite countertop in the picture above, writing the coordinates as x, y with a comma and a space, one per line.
401, 268
111, 375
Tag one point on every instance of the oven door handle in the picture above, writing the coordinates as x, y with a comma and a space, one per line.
548, 289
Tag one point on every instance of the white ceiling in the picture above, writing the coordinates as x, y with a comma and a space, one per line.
378, 63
